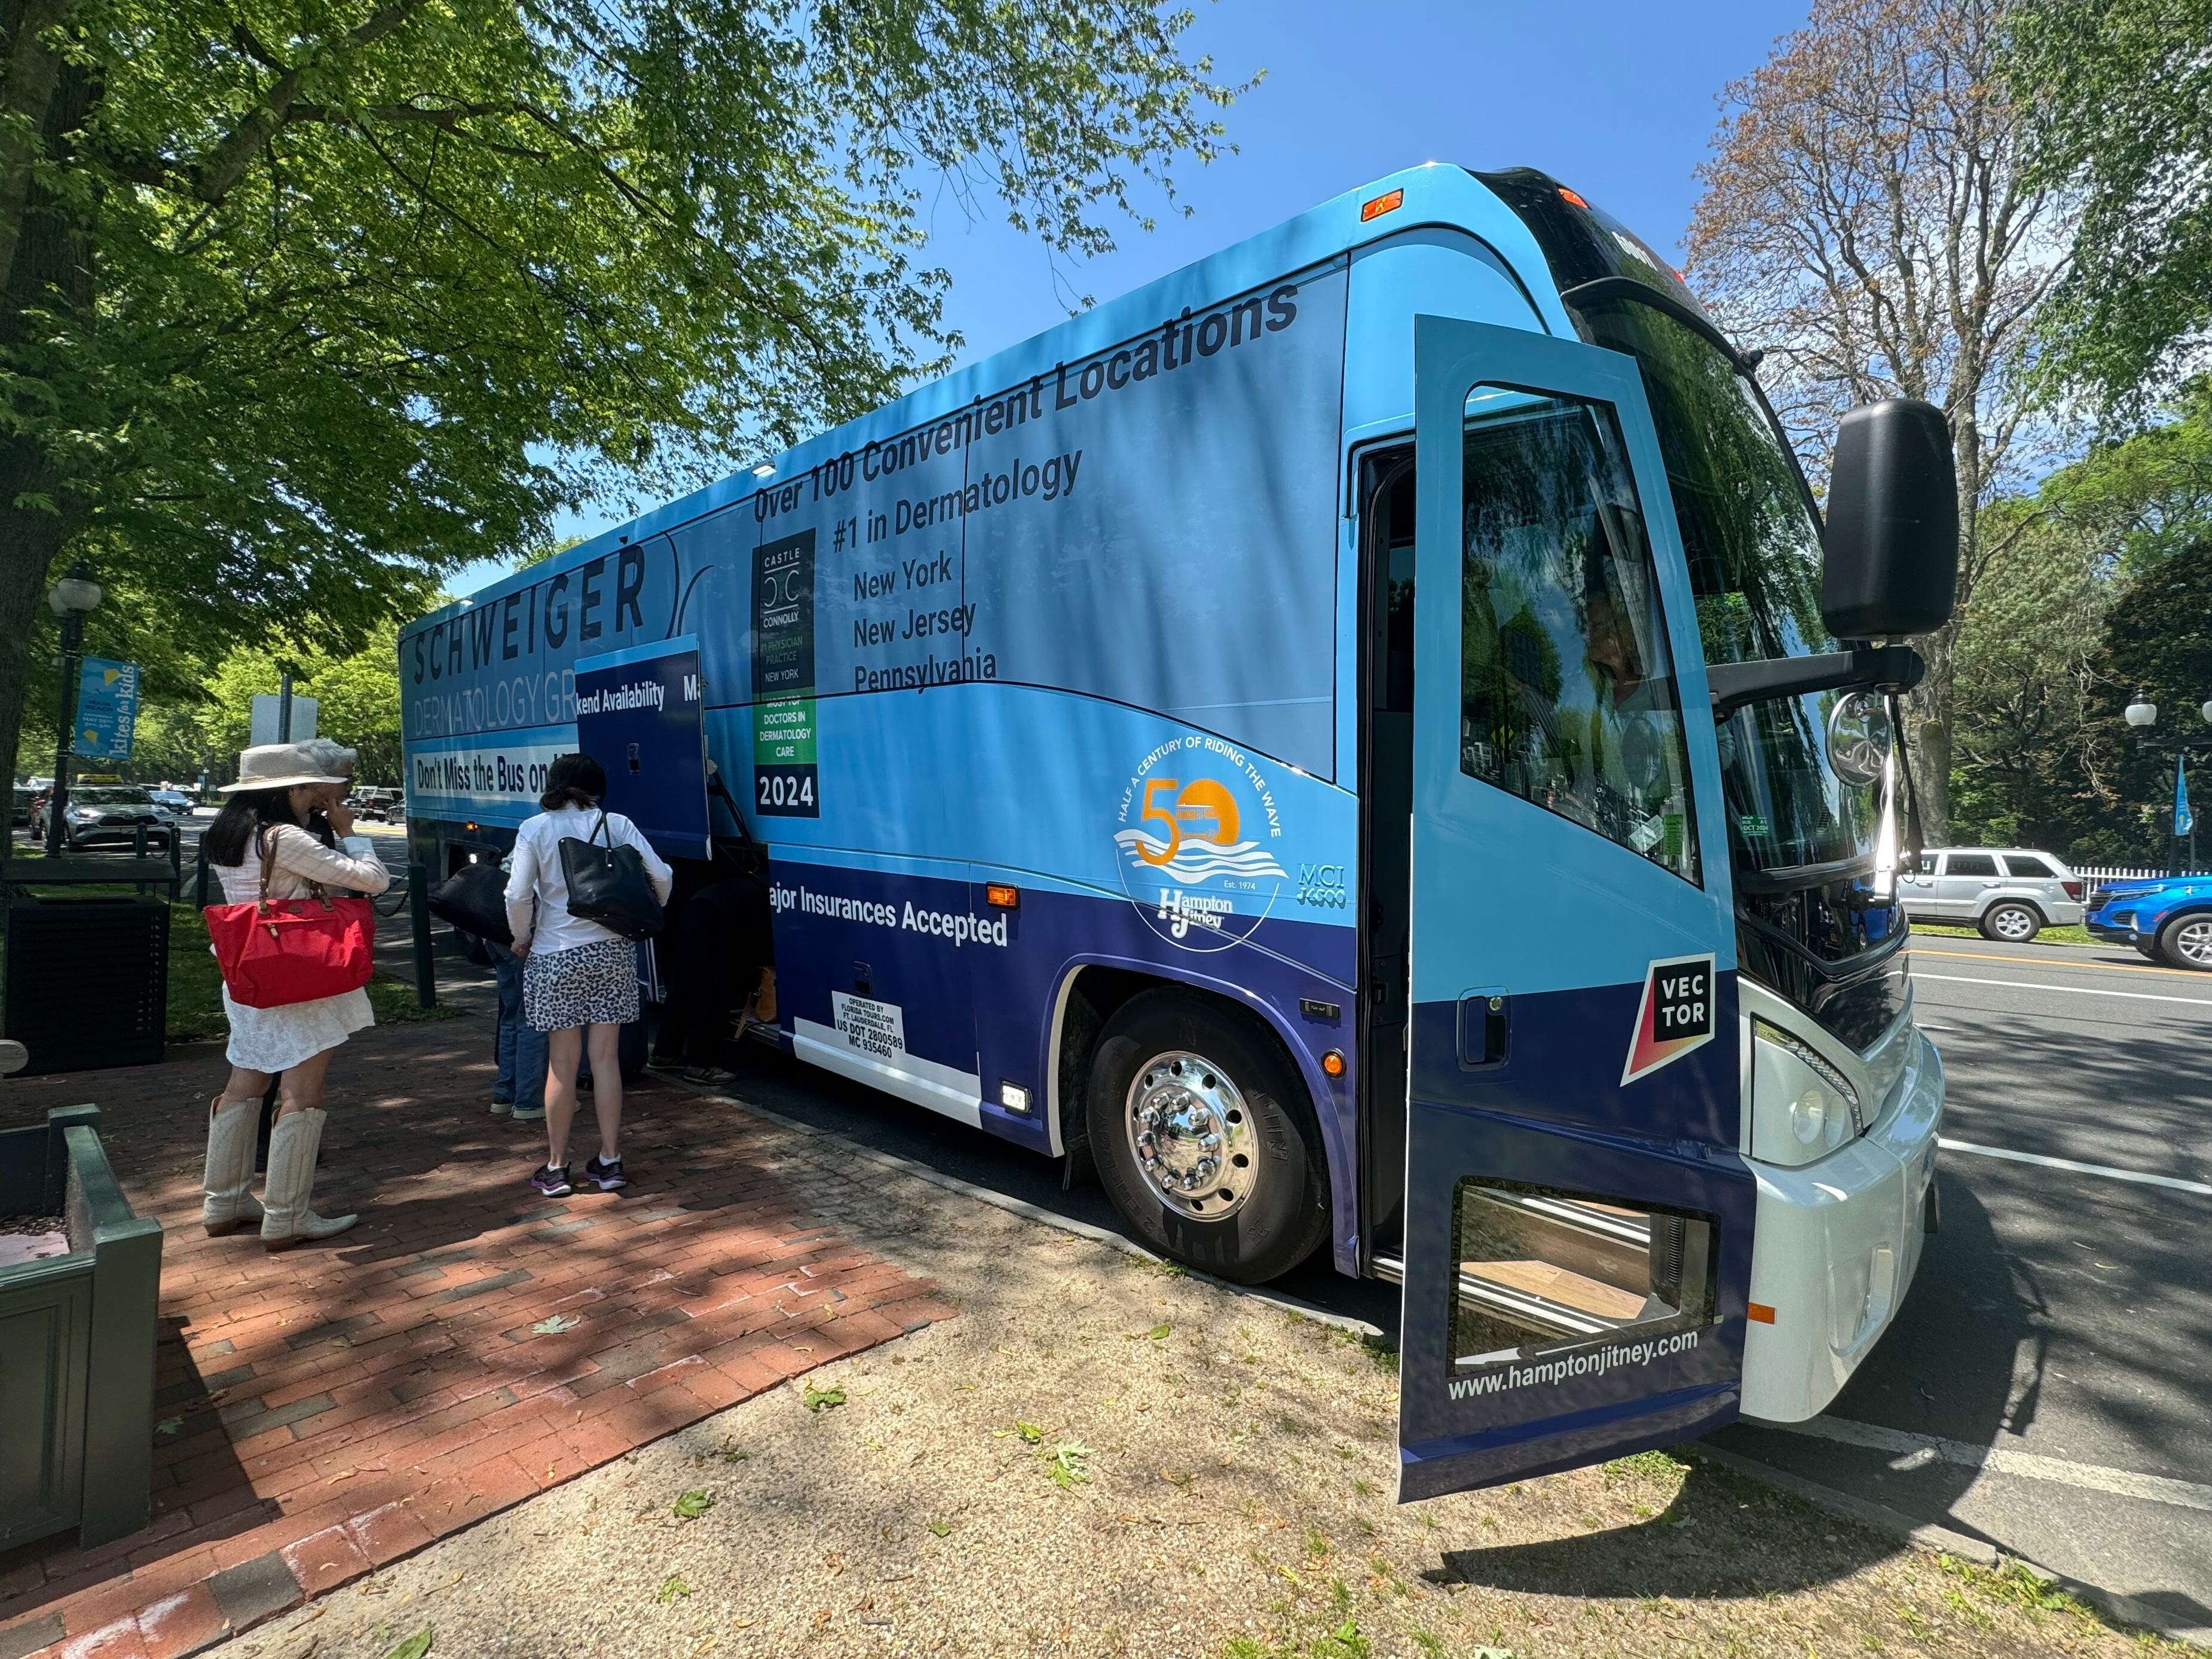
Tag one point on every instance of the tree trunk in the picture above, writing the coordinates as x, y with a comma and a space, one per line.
39, 512
30, 541
1934, 702
1931, 739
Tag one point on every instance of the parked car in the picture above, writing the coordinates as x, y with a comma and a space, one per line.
175, 800
383, 804
2168, 920
109, 815
24, 796
2009, 893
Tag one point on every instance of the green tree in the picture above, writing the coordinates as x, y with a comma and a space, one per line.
2145, 497
291, 292
2054, 645
2157, 639
2118, 100
2032, 764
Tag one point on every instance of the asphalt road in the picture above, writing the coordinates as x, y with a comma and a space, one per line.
2047, 1386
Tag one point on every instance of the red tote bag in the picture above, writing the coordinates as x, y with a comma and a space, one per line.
275, 952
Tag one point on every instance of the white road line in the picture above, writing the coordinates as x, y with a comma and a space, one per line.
1919, 1449
2067, 990
2107, 1170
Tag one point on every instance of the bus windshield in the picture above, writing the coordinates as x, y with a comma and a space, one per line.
1755, 557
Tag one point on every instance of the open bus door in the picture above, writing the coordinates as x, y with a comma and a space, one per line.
1578, 1222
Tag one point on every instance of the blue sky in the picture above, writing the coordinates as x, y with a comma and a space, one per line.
1615, 97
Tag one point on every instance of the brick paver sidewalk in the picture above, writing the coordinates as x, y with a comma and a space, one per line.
327, 1411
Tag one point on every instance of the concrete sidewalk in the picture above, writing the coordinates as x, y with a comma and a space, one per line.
324, 1413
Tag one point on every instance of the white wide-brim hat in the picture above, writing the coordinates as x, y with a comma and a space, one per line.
278, 766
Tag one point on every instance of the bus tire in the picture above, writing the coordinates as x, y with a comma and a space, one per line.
1203, 1139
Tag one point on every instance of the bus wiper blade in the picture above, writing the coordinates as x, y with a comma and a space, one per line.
1889, 668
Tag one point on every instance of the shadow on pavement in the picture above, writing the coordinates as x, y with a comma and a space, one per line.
1681, 1552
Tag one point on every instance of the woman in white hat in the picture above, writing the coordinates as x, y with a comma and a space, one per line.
265, 818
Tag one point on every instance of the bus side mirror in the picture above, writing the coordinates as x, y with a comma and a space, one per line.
1892, 532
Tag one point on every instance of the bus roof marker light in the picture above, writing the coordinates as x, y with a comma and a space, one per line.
1376, 206
765, 470
1573, 199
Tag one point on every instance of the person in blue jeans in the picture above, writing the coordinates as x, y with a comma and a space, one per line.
520, 1089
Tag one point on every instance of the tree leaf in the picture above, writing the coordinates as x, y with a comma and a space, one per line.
555, 1325
1159, 1332
940, 1528
821, 1398
694, 1504
671, 1587
414, 1646
1030, 1432
1065, 1464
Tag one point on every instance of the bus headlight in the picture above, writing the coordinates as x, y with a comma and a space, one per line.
1802, 1107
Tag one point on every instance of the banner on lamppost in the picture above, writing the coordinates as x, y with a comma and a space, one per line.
2185, 821
107, 710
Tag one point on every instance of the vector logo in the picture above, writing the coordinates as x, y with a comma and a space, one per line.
1675, 1016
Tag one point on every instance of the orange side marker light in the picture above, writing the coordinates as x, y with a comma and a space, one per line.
1001, 897
1760, 1312
1333, 1062
1375, 207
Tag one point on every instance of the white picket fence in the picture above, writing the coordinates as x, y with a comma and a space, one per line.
2103, 872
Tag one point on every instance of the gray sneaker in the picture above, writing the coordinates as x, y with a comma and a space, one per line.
527, 1114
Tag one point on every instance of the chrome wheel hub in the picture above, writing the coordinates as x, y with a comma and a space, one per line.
2192, 942
1191, 1134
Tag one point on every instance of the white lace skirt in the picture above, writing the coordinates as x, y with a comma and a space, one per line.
277, 1039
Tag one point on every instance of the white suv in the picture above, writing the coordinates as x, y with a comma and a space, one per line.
2009, 893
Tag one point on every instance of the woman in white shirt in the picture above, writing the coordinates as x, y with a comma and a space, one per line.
579, 979
264, 821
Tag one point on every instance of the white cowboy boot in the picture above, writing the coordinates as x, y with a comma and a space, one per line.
228, 1181
286, 1220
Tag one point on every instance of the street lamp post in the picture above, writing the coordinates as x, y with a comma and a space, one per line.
2142, 714
72, 598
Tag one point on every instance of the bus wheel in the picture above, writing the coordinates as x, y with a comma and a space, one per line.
1202, 1137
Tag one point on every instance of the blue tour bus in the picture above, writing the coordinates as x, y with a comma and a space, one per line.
1334, 737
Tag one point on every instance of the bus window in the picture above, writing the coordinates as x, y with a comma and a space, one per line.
1540, 1269
1568, 696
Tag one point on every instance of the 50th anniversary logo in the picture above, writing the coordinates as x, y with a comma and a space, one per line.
1195, 822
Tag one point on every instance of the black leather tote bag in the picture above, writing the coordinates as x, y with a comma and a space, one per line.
474, 899
608, 884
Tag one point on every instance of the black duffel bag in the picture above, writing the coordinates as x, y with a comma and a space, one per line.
474, 899
608, 884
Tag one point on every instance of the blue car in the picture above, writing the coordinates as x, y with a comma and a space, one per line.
2168, 920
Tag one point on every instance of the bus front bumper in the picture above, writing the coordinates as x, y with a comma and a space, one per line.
1836, 1245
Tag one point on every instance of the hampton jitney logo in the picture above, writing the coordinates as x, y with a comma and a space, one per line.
1675, 1017
1195, 820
